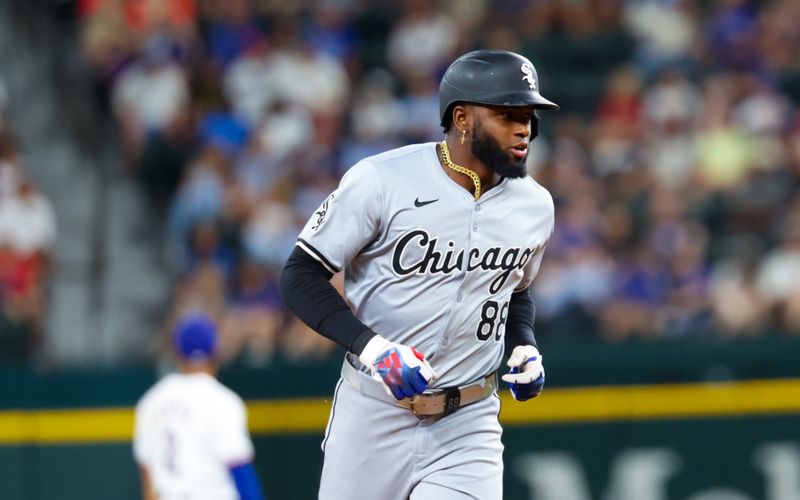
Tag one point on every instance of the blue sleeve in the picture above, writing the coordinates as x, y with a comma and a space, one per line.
247, 483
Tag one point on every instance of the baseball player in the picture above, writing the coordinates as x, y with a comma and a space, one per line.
439, 244
190, 438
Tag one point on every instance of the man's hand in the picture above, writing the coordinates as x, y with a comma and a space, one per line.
403, 370
527, 373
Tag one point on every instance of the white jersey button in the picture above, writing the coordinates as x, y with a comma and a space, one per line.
477, 208
474, 227
459, 297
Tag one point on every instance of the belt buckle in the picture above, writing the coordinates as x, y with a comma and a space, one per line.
413, 401
451, 401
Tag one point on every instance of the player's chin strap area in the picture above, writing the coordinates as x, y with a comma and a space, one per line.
436, 402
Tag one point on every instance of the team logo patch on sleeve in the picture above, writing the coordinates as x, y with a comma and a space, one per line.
321, 213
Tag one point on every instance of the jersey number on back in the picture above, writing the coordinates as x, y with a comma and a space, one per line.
493, 321
171, 451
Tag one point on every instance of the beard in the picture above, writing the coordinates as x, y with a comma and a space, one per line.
486, 149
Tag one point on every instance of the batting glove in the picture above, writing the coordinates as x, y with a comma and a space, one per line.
403, 370
527, 373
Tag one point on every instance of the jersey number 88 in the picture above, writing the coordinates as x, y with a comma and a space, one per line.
490, 323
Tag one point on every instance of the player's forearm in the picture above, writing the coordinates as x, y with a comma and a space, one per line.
307, 291
148, 492
519, 324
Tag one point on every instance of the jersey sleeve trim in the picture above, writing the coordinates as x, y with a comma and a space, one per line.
313, 252
233, 463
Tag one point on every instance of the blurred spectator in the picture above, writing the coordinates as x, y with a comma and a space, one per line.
666, 31
420, 111
330, 29
232, 27
301, 76
108, 43
737, 306
201, 195
732, 30
206, 248
27, 221
27, 234
778, 279
778, 40
247, 81
376, 118
619, 118
255, 314
150, 94
285, 130
672, 106
269, 235
202, 290
144, 15
577, 284
726, 154
422, 41
641, 286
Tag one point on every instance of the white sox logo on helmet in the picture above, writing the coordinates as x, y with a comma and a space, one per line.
528, 75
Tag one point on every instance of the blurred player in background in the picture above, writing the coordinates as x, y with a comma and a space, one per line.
191, 439
439, 243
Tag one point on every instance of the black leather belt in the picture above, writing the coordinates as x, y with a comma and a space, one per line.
429, 403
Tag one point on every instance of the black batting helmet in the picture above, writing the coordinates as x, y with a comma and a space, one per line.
492, 77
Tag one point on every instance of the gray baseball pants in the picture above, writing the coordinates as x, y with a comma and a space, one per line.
375, 450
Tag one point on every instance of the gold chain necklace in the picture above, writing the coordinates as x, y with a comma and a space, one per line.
476, 181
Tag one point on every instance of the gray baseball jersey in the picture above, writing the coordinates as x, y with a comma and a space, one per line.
426, 264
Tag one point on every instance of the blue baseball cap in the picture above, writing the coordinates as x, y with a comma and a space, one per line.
195, 337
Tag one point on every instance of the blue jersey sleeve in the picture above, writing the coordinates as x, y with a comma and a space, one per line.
247, 483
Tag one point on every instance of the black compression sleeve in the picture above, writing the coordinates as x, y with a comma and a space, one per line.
519, 323
307, 291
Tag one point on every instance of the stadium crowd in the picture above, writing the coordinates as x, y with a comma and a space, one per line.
27, 234
674, 161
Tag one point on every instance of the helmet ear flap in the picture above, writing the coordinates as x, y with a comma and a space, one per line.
534, 125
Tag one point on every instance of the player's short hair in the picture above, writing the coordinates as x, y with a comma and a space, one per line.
447, 119
195, 338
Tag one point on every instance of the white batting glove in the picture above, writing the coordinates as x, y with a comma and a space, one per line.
403, 370
527, 373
